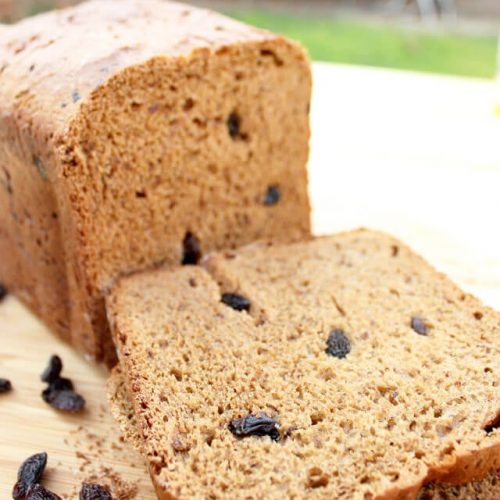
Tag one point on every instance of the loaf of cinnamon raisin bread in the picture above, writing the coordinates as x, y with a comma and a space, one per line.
342, 367
137, 133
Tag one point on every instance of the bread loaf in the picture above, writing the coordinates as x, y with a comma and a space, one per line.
134, 134
343, 367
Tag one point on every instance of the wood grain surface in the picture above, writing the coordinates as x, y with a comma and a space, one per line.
414, 155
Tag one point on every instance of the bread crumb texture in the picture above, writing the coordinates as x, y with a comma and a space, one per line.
393, 411
134, 134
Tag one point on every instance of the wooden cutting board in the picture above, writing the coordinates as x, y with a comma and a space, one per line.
79, 447
442, 197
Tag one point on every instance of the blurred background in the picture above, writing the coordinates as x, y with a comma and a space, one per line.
405, 118
441, 36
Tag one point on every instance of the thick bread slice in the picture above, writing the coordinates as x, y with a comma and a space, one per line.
123, 410
400, 409
132, 131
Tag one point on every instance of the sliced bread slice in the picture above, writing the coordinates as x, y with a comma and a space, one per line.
342, 367
123, 411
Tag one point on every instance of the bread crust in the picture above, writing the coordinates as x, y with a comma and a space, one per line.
60, 75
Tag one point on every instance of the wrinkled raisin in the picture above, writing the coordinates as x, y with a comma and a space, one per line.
29, 473
53, 370
273, 195
191, 250
338, 345
233, 125
94, 492
418, 325
60, 391
5, 385
252, 425
3, 292
38, 492
65, 400
236, 301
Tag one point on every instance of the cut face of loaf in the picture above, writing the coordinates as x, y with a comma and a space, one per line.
134, 134
343, 367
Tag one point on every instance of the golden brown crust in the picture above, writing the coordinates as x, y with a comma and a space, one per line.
52, 62
113, 126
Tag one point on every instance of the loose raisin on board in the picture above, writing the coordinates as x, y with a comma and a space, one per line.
418, 325
38, 492
253, 425
3, 292
66, 400
94, 492
5, 385
338, 345
236, 301
29, 473
191, 250
53, 370
60, 392
273, 195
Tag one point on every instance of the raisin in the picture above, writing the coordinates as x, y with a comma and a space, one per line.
233, 125
53, 370
38, 492
273, 195
60, 391
5, 385
61, 384
236, 301
418, 325
252, 425
29, 473
65, 400
338, 345
94, 492
3, 292
191, 250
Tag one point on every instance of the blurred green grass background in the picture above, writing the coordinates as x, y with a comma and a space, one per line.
383, 45
365, 42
